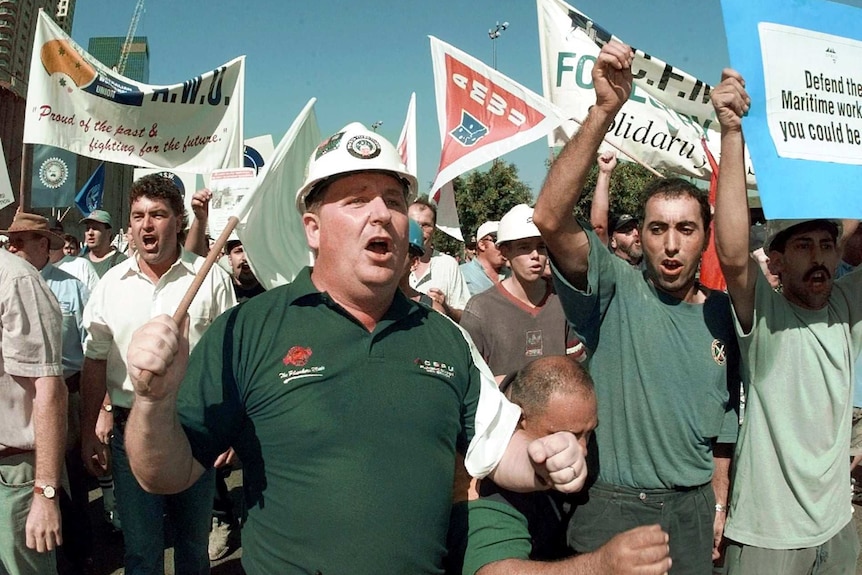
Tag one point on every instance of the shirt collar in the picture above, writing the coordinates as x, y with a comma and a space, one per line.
302, 287
186, 260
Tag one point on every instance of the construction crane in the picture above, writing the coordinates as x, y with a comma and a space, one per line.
130, 36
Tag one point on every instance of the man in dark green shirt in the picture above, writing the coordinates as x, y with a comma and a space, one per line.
345, 400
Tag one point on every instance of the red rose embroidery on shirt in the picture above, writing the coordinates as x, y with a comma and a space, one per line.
297, 355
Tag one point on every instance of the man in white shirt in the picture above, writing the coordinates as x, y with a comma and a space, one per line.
437, 274
127, 296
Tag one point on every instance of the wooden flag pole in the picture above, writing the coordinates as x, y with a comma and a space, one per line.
183, 308
631, 156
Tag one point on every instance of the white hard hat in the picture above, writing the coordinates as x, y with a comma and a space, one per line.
490, 227
517, 224
354, 148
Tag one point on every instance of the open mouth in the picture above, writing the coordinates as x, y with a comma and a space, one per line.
671, 265
149, 242
818, 276
380, 246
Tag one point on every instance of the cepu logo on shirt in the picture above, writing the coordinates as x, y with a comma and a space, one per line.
435, 367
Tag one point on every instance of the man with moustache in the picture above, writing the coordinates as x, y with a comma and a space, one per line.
245, 284
798, 350
661, 349
343, 398
620, 231
127, 296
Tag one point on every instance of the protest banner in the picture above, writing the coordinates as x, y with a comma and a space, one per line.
666, 116
76, 103
482, 115
804, 128
269, 226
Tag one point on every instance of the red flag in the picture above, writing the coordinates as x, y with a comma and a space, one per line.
482, 115
710, 270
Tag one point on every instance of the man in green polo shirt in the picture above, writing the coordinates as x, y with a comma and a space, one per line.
345, 400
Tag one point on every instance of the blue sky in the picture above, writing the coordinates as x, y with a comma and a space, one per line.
363, 59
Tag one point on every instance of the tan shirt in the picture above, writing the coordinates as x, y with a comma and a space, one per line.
30, 341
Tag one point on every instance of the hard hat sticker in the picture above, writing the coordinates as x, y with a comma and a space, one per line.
363, 147
329, 144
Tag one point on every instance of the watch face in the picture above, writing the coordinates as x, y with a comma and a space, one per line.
53, 173
47, 491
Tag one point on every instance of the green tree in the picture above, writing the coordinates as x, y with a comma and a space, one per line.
627, 182
481, 196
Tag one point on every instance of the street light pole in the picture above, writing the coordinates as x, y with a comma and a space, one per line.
493, 34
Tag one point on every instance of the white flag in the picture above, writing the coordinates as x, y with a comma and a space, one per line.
76, 103
407, 140
269, 226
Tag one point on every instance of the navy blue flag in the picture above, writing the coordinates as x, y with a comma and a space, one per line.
54, 172
90, 196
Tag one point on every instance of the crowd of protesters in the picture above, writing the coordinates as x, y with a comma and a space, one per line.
566, 401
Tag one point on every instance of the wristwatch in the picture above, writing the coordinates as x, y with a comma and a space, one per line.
46, 491
108, 407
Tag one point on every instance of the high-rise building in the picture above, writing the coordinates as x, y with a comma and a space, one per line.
17, 26
118, 177
106, 49
18, 20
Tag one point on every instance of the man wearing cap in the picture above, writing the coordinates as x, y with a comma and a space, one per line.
798, 349
97, 240
343, 398
625, 241
520, 319
620, 233
488, 267
30, 239
662, 349
32, 418
437, 274
127, 296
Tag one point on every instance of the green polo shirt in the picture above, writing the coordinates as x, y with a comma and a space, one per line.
347, 437
666, 373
